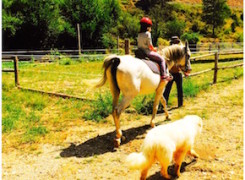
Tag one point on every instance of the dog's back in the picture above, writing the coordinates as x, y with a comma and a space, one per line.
178, 132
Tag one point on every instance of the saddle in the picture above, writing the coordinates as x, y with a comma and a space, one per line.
140, 54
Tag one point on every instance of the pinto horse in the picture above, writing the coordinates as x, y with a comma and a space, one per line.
131, 76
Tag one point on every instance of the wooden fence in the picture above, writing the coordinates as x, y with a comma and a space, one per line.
14, 59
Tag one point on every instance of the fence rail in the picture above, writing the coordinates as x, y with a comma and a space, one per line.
15, 60
127, 49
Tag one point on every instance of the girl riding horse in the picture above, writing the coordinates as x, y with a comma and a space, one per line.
145, 43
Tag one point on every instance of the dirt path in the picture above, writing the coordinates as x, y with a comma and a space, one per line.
90, 156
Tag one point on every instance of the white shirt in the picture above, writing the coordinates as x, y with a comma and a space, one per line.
144, 41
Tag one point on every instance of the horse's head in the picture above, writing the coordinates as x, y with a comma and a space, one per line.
180, 56
184, 62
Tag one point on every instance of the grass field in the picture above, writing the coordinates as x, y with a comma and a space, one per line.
50, 139
29, 116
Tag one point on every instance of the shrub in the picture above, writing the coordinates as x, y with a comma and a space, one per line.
192, 38
190, 89
162, 42
144, 104
175, 28
239, 37
100, 109
108, 41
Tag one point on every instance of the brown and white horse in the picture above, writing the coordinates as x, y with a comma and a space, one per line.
131, 76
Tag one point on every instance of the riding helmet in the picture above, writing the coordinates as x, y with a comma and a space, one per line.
147, 21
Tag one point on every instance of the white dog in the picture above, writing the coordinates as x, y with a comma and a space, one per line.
166, 143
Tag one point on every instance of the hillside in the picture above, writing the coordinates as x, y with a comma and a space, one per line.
231, 3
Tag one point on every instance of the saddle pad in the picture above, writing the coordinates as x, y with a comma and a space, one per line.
153, 66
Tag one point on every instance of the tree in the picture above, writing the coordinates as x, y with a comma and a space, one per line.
192, 38
175, 28
160, 12
95, 17
31, 24
215, 12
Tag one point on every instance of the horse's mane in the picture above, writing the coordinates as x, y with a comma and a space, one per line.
173, 52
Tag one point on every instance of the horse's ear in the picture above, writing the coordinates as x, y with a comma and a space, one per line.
186, 45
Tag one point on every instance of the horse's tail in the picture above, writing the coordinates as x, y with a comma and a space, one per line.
112, 61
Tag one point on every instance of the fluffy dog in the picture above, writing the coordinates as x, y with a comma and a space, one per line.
166, 143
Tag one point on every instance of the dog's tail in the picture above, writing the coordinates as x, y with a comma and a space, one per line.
136, 160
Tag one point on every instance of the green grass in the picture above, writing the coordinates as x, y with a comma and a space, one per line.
100, 108
33, 115
33, 133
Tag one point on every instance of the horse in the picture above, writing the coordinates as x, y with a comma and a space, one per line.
131, 76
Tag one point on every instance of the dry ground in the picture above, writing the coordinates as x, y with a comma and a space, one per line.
87, 152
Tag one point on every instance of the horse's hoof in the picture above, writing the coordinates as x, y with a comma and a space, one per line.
117, 142
123, 138
168, 117
152, 125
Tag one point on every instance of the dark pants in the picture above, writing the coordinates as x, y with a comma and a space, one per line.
177, 77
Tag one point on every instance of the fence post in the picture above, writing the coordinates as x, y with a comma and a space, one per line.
127, 44
79, 39
117, 44
216, 67
16, 75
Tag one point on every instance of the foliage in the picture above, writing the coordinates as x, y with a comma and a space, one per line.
52, 24
239, 37
175, 28
159, 17
215, 12
192, 38
128, 25
100, 108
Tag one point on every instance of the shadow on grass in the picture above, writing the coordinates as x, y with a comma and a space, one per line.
101, 144
158, 176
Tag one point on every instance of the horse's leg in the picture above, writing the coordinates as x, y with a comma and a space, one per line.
164, 103
155, 107
158, 96
115, 97
116, 115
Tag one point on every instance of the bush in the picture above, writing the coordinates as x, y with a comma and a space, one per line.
108, 41
144, 105
192, 38
190, 89
162, 42
100, 109
175, 28
239, 37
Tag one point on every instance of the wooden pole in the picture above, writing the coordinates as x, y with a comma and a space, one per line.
55, 94
216, 67
218, 47
117, 44
16, 75
127, 46
79, 38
